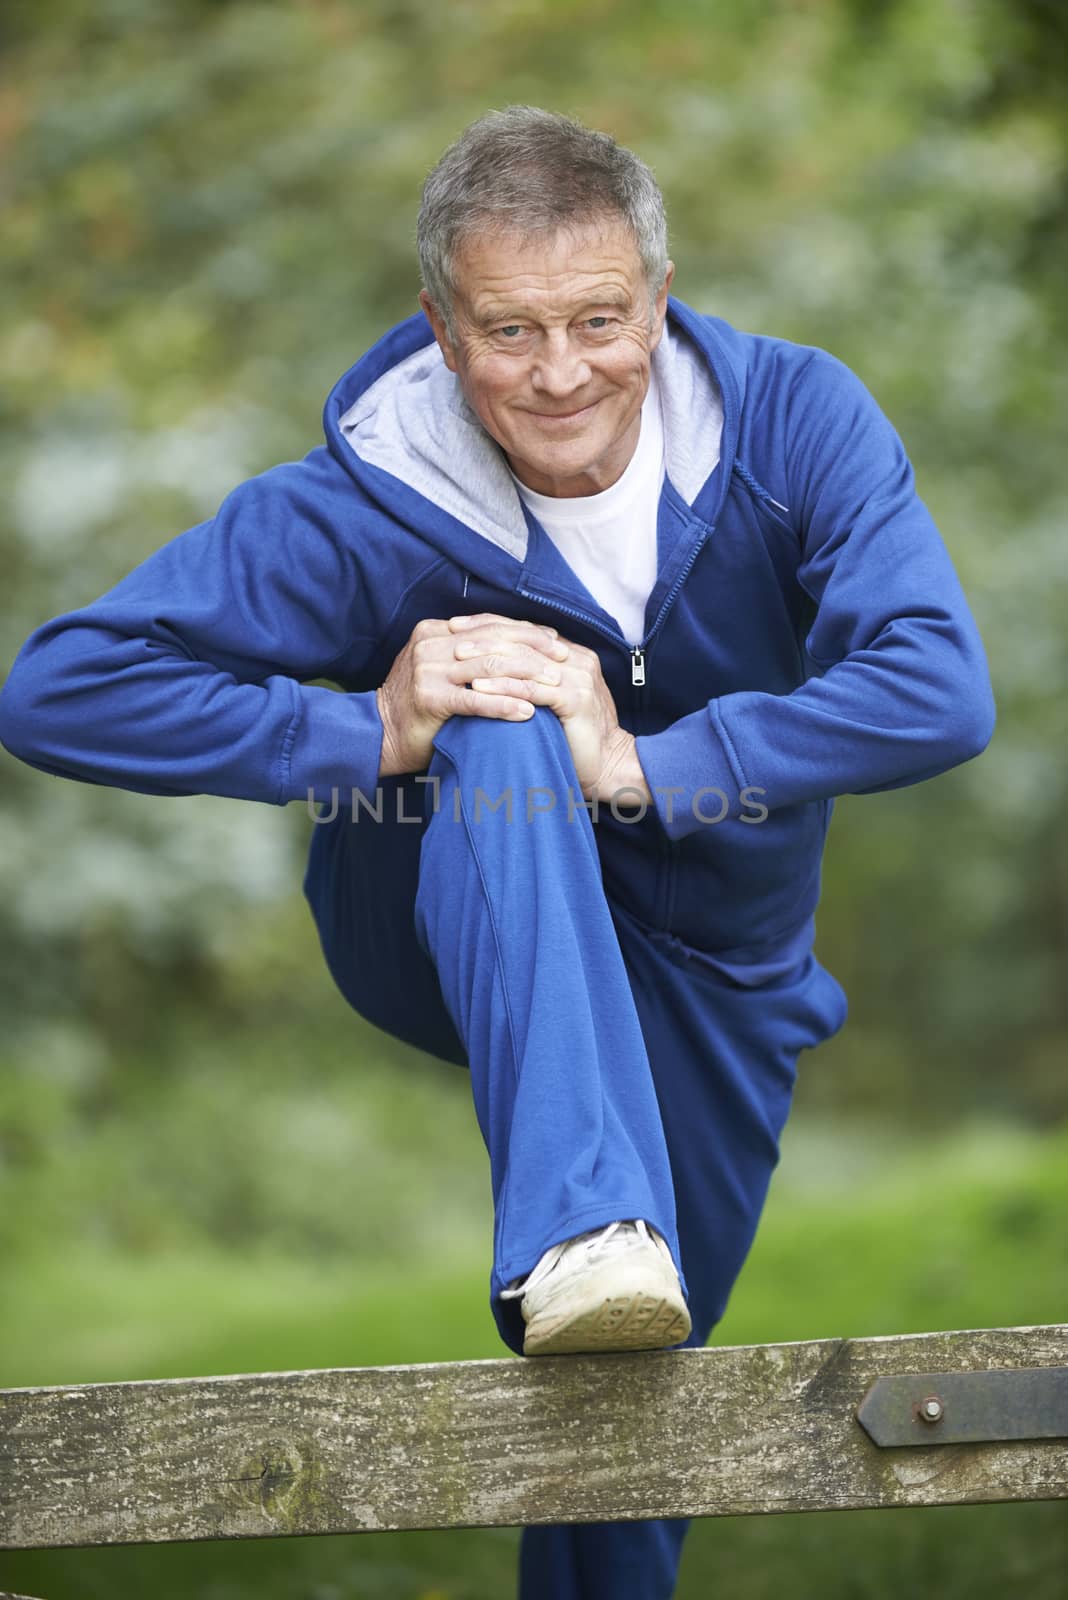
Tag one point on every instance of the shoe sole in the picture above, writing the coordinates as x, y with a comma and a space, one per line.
648, 1317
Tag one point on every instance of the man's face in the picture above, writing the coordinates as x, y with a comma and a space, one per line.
552, 343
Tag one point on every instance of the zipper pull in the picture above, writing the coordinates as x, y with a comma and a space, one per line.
637, 666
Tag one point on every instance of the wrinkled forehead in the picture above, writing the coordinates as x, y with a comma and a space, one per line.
493, 263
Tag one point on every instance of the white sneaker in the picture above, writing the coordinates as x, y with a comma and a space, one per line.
613, 1288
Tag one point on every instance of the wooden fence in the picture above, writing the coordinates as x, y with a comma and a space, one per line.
929, 1419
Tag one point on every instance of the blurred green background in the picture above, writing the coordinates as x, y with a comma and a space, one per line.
207, 1162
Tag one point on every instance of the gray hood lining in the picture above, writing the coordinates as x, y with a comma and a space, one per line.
415, 424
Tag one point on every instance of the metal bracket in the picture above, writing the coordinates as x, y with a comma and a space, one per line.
966, 1407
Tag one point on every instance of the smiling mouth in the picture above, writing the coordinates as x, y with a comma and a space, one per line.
564, 416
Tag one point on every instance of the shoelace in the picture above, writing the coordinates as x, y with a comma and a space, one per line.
551, 1257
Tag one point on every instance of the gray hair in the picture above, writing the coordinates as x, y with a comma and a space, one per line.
533, 172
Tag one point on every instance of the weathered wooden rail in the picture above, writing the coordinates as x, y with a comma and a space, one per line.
965, 1417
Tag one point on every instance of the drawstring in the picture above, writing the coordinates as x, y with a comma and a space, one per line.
757, 489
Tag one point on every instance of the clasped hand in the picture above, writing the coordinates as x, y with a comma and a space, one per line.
492, 666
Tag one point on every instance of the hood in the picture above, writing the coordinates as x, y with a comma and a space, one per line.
399, 422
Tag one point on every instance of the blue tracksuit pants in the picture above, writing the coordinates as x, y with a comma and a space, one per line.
614, 1074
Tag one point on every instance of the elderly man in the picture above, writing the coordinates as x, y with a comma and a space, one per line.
618, 599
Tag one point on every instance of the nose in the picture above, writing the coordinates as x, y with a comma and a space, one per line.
560, 370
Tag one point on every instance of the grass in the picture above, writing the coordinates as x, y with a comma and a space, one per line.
860, 1237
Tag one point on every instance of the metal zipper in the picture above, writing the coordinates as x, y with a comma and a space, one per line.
669, 598
635, 652
581, 616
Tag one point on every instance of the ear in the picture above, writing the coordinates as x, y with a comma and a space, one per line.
437, 322
660, 306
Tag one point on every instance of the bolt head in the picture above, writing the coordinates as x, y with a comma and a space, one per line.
931, 1408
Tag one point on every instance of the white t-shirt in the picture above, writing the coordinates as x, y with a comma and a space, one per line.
609, 539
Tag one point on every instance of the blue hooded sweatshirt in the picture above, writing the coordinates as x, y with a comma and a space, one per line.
806, 637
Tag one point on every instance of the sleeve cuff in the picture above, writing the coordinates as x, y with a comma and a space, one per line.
694, 775
335, 749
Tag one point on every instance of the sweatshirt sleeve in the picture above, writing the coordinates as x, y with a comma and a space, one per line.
899, 688
185, 678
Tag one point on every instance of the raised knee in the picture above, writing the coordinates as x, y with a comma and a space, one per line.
488, 750
543, 720
503, 737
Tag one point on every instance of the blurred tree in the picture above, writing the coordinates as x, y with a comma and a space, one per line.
209, 213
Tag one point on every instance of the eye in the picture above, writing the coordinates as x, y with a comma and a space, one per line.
598, 322
511, 331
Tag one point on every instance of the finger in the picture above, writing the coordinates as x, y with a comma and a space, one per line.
471, 663
478, 619
504, 630
539, 694
517, 641
430, 628
470, 703
512, 629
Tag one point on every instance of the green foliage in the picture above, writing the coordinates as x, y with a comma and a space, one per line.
862, 1236
209, 215
205, 1160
